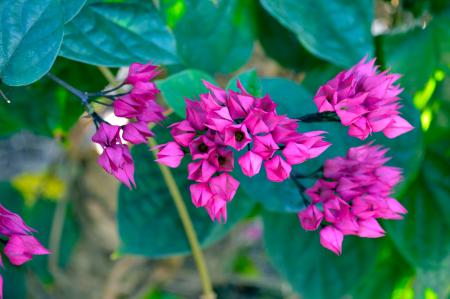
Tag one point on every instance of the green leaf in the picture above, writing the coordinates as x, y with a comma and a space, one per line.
149, 211
40, 217
71, 8
313, 271
186, 84
214, 37
337, 31
118, 34
282, 45
14, 282
295, 101
31, 33
250, 80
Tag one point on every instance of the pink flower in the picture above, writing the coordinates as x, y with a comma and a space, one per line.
21, 248
265, 146
331, 238
200, 194
182, 132
117, 160
250, 163
310, 218
217, 209
106, 135
237, 136
222, 159
127, 106
370, 228
201, 147
169, 154
12, 224
201, 171
277, 169
195, 114
239, 104
365, 100
224, 186
322, 190
141, 72
136, 132
219, 119
145, 91
151, 111
259, 121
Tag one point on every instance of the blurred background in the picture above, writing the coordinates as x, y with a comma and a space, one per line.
49, 173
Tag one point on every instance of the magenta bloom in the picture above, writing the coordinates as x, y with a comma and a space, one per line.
21, 248
136, 133
169, 154
117, 160
365, 100
331, 238
310, 218
20, 244
355, 192
222, 122
141, 72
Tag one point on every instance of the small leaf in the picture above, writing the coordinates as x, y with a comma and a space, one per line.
186, 84
250, 80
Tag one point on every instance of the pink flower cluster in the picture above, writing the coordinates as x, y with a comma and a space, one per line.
225, 121
21, 245
364, 100
141, 108
355, 191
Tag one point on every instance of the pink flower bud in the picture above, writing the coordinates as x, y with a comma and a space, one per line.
21, 248
331, 238
169, 154
277, 169
310, 218
250, 163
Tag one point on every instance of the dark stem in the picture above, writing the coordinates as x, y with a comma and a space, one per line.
83, 96
328, 116
301, 190
104, 92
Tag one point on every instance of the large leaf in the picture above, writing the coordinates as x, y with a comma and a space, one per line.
295, 101
313, 271
31, 33
71, 8
214, 37
186, 84
337, 31
117, 34
149, 211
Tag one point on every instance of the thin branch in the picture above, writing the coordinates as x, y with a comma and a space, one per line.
301, 190
319, 117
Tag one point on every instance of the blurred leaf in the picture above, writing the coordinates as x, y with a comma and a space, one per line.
337, 31
71, 8
14, 282
313, 271
149, 210
295, 101
30, 35
118, 34
282, 45
250, 80
214, 37
320, 75
45, 108
40, 217
186, 84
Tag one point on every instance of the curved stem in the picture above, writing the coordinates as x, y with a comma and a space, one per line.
208, 292
328, 116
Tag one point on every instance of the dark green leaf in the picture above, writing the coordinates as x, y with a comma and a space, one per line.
212, 37
282, 45
14, 282
313, 271
118, 34
31, 33
250, 80
337, 31
186, 84
149, 211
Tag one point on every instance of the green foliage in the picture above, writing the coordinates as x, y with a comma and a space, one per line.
337, 31
250, 80
31, 33
186, 84
214, 37
71, 8
117, 34
312, 270
150, 209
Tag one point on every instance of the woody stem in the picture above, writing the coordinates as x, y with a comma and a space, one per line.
208, 292
327, 116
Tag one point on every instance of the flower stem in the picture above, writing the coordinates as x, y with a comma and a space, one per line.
328, 116
301, 190
208, 292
